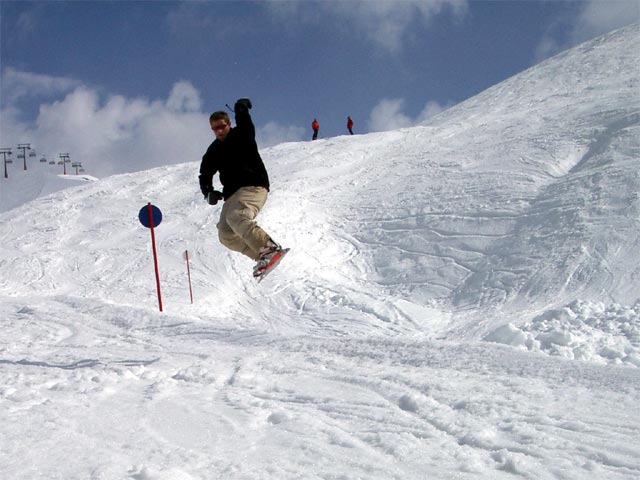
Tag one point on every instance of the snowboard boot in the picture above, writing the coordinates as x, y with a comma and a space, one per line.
270, 255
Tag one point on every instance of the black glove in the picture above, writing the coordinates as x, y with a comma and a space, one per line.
214, 196
243, 103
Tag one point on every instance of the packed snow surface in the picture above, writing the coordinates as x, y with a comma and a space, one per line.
461, 300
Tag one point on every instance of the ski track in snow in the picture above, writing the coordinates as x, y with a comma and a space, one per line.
194, 392
461, 301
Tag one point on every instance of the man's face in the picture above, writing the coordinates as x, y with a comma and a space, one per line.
220, 129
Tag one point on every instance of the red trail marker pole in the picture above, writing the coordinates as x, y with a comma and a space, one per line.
146, 217
186, 257
155, 255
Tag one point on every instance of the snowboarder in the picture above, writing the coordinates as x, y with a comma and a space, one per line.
234, 154
316, 127
350, 125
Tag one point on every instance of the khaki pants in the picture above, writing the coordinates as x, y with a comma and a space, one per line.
237, 229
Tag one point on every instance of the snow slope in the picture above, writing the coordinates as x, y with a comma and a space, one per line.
39, 180
462, 300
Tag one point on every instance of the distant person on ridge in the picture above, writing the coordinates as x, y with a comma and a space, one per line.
234, 154
316, 127
350, 125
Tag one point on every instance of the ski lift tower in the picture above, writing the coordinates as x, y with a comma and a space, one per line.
4, 152
24, 147
64, 159
76, 165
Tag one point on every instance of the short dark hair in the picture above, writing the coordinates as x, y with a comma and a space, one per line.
220, 115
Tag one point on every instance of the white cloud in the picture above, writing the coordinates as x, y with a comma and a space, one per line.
593, 18
388, 115
273, 133
17, 85
384, 22
387, 22
115, 134
547, 47
184, 98
598, 17
430, 110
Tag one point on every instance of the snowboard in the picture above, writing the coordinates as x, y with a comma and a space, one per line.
274, 263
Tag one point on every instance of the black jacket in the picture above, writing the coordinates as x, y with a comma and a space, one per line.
236, 158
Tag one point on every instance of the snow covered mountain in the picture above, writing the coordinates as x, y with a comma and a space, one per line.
37, 182
376, 350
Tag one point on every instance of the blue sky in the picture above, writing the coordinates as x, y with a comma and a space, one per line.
110, 78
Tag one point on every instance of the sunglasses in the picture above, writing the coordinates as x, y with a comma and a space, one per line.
220, 127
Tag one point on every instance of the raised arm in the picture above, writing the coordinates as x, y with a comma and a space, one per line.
243, 119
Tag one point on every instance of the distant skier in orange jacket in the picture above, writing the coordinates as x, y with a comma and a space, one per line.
316, 126
350, 125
